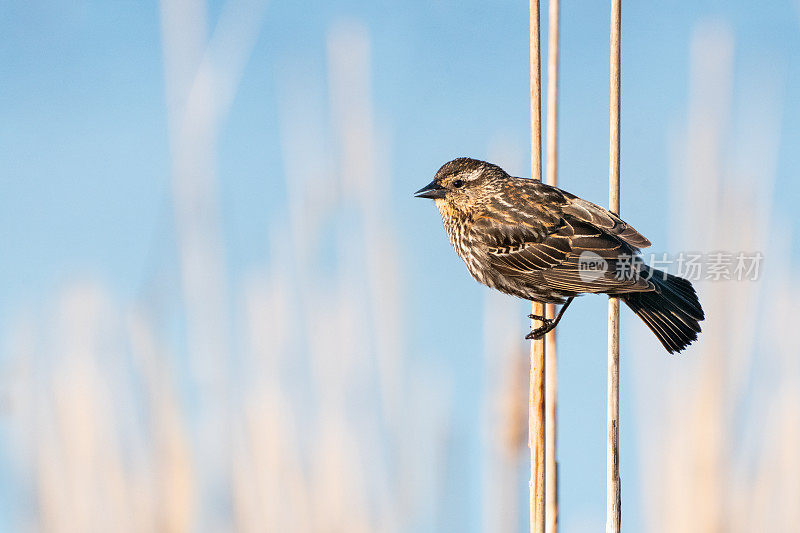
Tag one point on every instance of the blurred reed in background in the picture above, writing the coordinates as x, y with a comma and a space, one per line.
290, 410
720, 425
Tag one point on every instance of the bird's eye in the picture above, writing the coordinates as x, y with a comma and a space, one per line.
458, 184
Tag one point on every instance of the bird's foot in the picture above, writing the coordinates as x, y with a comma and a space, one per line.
548, 324
541, 331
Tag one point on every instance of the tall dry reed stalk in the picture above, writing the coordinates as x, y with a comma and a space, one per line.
551, 361
613, 485
536, 399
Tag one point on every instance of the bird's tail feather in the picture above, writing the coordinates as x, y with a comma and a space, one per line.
672, 311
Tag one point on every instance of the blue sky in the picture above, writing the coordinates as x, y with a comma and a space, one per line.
84, 164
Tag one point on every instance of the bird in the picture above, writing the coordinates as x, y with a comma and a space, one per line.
537, 242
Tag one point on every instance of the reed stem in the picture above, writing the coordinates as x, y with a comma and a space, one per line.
613, 493
551, 362
536, 412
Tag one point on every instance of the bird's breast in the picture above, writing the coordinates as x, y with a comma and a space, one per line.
470, 249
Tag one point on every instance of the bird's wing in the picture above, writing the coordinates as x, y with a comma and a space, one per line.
603, 220
599, 262
524, 244
571, 276
537, 194
537, 233
559, 256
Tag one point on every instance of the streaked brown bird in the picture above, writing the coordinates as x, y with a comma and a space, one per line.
537, 242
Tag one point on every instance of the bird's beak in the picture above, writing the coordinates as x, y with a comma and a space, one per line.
432, 190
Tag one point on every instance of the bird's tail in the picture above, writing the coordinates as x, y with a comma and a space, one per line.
672, 311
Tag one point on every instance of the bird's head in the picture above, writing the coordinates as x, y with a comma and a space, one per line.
463, 185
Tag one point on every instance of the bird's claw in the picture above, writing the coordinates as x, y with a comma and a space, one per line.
541, 331
538, 333
548, 324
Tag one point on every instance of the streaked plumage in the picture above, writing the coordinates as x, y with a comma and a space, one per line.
529, 239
